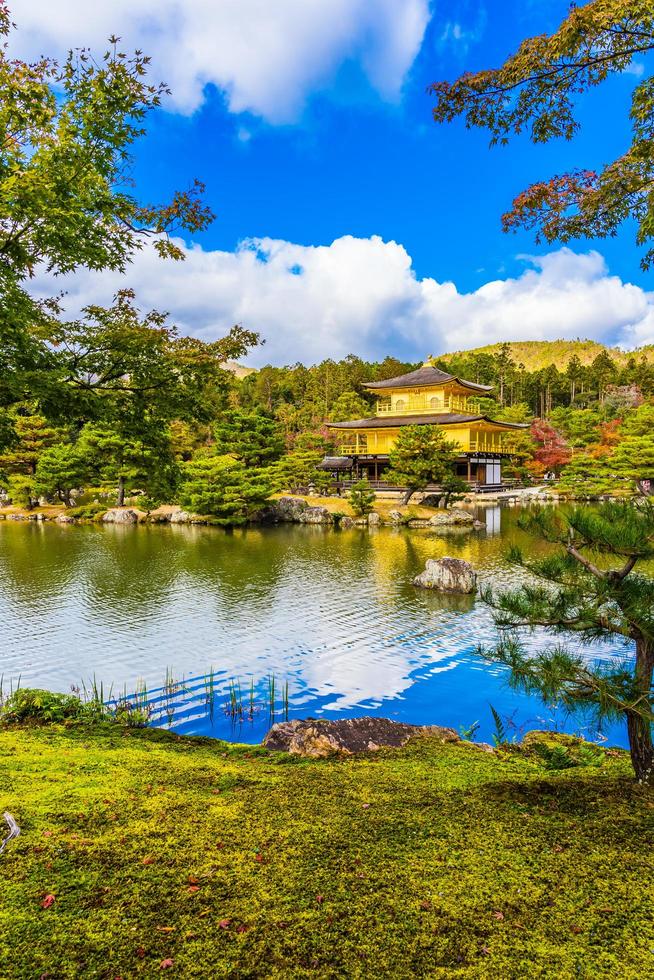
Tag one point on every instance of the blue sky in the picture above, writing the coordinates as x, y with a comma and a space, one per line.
346, 219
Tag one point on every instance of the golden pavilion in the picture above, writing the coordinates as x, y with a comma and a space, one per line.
426, 396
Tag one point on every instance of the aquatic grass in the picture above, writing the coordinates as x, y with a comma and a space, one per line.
210, 692
5, 696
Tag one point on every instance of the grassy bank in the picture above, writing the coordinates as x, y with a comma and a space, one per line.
141, 853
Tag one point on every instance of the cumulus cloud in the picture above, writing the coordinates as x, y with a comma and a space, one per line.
267, 57
361, 295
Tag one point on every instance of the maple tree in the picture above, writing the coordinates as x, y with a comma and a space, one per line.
553, 452
534, 92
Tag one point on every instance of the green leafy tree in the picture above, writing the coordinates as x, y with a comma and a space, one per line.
70, 127
119, 363
224, 488
362, 498
59, 470
535, 90
250, 437
421, 455
66, 202
589, 588
348, 406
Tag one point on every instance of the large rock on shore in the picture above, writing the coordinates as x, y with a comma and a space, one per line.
119, 516
348, 736
294, 510
448, 575
180, 517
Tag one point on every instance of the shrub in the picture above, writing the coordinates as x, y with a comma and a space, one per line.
31, 704
362, 498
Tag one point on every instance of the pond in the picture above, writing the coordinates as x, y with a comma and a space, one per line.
213, 627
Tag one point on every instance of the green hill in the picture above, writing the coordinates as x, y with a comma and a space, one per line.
537, 354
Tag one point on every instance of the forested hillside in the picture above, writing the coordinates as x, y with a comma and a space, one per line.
537, 354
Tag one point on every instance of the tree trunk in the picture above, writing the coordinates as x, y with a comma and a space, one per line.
639, 728
121, 492
407, 497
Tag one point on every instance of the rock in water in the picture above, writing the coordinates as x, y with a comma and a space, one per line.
448, 575
347, 736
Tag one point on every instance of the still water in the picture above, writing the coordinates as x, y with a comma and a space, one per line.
331, 615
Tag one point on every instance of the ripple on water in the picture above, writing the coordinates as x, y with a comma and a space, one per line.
333, 614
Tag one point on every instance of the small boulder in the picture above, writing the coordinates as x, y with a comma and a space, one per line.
431, 500
119, 516
374, 520
396, 516
448, 575
452, 517
347, 736
346, 522
64, 519
315, 515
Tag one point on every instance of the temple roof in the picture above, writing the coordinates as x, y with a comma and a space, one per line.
424, 377
394, 421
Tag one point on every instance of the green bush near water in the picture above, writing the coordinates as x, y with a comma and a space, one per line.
205, 859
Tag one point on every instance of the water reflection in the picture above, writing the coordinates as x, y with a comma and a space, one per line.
333, 613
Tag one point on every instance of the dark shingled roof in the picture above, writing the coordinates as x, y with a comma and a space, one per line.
336, 463
423, 377
393, 421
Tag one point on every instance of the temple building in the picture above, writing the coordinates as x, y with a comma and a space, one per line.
427, 396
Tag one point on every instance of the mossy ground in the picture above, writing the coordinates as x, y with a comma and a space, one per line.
227, 861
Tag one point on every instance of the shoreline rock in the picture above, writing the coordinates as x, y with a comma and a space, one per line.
319, 739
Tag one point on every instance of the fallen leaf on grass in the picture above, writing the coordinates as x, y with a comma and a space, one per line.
192, 889
165, 928
499, 916
192, 880
166, 964
320, 899
425, 905
576, 930
47, 901
224, 923
148, 860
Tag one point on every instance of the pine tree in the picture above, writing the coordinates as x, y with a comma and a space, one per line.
420, 456
33, 434
588, 588
224, 488
250, 437
59, 470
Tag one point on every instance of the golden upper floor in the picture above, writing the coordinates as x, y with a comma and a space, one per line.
426, 391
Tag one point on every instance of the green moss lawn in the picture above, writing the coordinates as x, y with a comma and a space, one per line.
143, 854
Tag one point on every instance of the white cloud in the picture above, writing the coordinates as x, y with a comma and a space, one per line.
362, 296
267, 56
